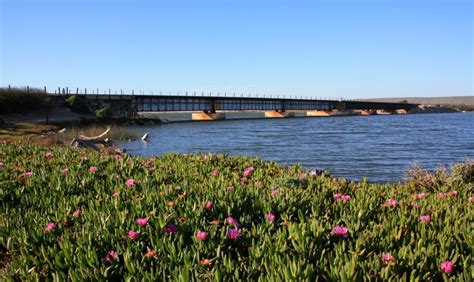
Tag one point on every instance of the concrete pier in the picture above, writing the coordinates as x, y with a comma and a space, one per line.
208, 116
278, 114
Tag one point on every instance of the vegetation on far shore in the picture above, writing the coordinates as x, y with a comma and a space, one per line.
84, 215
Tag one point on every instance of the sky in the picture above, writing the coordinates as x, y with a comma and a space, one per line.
334, 49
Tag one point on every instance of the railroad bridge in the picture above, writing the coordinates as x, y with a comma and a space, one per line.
214, 107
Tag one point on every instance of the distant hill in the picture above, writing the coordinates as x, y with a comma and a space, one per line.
455, 100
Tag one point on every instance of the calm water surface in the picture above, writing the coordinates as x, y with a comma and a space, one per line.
377, 147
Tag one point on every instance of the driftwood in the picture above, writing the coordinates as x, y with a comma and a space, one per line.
94, 142
145, 137
95, 137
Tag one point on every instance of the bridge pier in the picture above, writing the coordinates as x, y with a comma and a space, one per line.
208, 116
328, 113
278, 114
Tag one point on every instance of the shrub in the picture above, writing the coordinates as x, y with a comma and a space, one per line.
2, 123
77, 105
104, 114
21, 100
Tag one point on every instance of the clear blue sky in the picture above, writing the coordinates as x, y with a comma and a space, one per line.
370, 48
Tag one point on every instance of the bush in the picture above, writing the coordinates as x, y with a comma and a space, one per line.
104, 114
2, 123
77, 105
21, 100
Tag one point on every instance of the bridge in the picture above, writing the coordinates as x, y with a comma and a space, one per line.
214, 107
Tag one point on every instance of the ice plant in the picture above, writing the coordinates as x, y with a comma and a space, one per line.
340, 231
420, 195
248, 171
149, 253
208, 205
77, 213
29, 173
233, 233
65, 170
171, 228
93, 169
111, 255
442, 195
48, 155
117, 156
130, 182
142, 221
275, 192
132, 234
392, 202
201, 235
453, 193
230, 220
2, 165
447, 266
230, 188
50, 226
425, 218
271, 217
116, 194
345, 198
337, 196
470, 199
387, 259
215, 172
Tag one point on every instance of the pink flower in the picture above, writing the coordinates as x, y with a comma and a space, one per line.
470, 199
313, 173
65, 170
387, 258
303, 175
29, 173
271, 217
142, 221
201, 235
117, 156
230, 188
233, 233
421, 196
2, 165
425, 218
248, 171
340, 231
447, 266
116, 194
345, 198
77, 213
132, 234
84, 158
334, 180
275, 192
149, 253
48, 155
50, 226
111, 255
230, 220
205, 158
415, 205
215, 172
453, 193
337, 196
208, 205
130, 182
93, 169
442, 195
392, 202
169, 229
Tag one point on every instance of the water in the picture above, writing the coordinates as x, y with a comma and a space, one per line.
379, 148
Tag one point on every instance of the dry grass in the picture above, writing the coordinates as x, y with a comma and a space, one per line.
48, 135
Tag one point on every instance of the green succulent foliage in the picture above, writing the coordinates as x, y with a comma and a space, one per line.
104, 114
173, 189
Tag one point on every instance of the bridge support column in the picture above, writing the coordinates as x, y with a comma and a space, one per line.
208, 116
278, 114
329, 113
367, 112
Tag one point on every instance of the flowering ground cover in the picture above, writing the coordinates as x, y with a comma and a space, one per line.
74, 213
